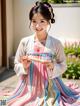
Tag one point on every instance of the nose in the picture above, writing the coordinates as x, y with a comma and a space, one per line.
37, 25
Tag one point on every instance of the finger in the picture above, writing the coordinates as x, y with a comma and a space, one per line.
27, 65
25, 57
51, 69
48, 64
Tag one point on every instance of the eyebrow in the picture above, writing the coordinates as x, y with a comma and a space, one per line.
40, 19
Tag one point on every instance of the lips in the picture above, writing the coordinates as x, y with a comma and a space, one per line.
39, 29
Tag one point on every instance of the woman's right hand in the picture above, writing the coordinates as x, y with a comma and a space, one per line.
25, 61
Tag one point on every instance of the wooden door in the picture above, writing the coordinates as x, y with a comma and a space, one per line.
0, 39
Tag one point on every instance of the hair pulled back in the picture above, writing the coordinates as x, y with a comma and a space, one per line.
45, 9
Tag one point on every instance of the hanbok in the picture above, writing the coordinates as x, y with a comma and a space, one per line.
38, 86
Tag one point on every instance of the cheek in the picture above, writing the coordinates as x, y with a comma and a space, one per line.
32, 26
45, 27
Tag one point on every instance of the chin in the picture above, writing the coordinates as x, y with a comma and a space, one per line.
39, 31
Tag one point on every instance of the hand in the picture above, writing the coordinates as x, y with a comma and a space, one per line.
49, 65
25, 61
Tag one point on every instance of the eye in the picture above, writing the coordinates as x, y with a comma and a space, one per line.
33, 21
42, 21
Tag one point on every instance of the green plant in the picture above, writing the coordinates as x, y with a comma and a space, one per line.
72, 49
73, 70
53, 1
72, 52
61, 1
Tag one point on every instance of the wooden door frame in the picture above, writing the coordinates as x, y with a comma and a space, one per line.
3, 33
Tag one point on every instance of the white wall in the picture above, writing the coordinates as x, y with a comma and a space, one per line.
0, 38
67, 25
10, 38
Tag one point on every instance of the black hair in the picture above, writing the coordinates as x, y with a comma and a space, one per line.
45, 9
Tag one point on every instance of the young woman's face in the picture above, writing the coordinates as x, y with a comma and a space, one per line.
39, 24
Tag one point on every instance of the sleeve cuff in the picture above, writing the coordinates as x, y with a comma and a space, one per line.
57, 71
19, 69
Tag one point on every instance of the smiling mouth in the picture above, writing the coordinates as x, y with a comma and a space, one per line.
39, 29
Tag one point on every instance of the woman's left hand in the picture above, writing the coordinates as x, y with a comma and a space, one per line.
49, 65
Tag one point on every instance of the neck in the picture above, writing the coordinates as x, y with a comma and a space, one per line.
41, 37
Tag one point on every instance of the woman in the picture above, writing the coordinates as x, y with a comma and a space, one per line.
39, 62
